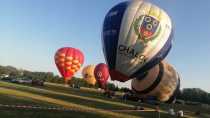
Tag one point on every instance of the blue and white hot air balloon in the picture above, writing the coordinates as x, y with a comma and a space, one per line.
136, 36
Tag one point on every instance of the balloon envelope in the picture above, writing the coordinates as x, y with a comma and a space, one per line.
88, 74
101, 73
136, 36
162, 82
68, 61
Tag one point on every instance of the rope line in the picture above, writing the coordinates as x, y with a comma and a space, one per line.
65, 109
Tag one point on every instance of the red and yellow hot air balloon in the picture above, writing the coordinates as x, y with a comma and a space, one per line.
68, 61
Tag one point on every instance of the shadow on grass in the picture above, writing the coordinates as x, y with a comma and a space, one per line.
17, 100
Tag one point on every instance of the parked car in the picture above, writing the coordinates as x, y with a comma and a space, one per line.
37, 82
182, 102
7, 79
14, 80
130, 96
24, 81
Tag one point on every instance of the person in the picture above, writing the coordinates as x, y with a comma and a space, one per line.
73, 86
180, 113
171, 111
125, 97
139, 105
198, 112
158, 110
138, 108
139, 102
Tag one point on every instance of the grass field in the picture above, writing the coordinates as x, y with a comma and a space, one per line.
83, 103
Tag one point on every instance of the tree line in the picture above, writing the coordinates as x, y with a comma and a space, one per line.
47, 77
194, 95
186, 94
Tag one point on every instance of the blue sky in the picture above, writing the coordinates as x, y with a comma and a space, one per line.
32, 30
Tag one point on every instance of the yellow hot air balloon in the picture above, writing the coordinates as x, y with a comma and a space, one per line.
88, 74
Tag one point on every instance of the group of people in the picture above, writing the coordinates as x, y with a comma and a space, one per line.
179, 113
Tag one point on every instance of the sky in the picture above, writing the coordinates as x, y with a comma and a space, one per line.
31, 31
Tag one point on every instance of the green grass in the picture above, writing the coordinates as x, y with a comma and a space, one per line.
66, 100
76, 96
16, 113
66, 104
88, 103
8, 113
73, 97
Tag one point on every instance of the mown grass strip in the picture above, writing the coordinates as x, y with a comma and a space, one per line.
81, 88
63, 103
5, 84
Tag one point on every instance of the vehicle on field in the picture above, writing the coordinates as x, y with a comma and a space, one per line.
37, 82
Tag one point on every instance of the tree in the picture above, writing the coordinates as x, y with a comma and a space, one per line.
194, 95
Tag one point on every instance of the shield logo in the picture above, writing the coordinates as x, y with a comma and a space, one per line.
147, 27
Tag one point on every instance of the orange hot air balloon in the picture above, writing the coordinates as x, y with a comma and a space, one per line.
68, 61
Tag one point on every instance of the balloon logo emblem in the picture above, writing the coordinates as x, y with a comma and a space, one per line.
99, 74
146, 27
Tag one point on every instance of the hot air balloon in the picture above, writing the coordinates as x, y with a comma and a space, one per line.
136, 36
88, 74
161, 82
101, 73
68, 61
